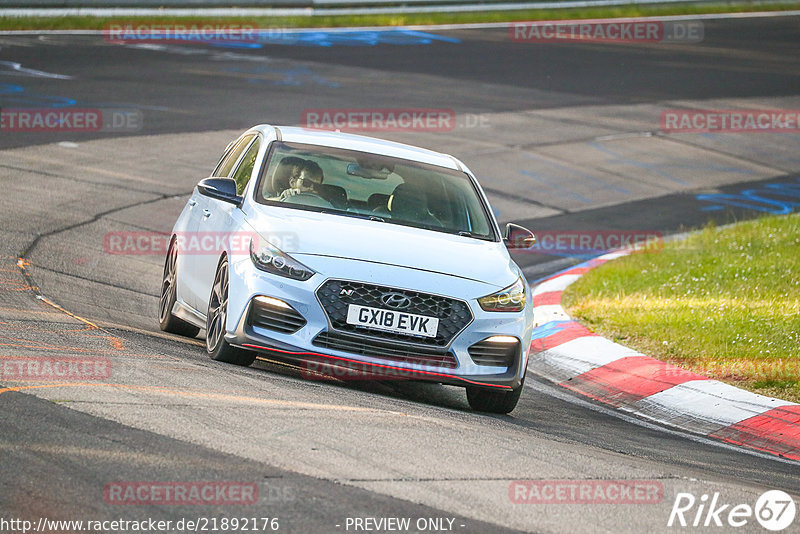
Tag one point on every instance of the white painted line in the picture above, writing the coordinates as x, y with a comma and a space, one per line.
549, 312
591, 352
709, 400
17, 68
557, 367
558, 283
614, 255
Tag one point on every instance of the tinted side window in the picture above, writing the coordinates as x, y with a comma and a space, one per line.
225, 166
245, 168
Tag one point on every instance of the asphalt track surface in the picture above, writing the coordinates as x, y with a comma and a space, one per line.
322, 452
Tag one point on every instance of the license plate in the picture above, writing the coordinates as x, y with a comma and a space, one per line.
392, 321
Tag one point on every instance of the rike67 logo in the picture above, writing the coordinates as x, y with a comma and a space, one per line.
774, 510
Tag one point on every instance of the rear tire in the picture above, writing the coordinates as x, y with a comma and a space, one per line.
493, 401
216, 319
168, 322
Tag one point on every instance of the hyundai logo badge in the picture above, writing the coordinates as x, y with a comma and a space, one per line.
398, 301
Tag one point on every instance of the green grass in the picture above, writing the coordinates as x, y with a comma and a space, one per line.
98, 23
724, 303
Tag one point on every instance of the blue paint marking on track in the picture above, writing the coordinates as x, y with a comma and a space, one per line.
775, 198
9, 89
361, 38
548, 329
234, 44
15, 95
334, 38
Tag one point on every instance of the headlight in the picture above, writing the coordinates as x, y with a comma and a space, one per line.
510, 299
268, 258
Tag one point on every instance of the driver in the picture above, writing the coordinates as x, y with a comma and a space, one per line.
304, 181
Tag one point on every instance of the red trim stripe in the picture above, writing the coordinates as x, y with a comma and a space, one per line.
776, 431
629, 379
544, 299
404, 369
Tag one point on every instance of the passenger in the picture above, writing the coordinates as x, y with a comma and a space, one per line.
288, 168
304, 181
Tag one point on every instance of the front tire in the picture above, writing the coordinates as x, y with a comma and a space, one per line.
493, 401
216, 319
168, 322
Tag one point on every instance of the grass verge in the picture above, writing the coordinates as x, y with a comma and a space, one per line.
328, 21
724, 303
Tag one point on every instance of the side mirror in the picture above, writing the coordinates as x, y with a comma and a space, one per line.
518, 238
223, 189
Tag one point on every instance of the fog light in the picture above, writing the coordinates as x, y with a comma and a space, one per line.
275, 314
501, 339
495, 351
272, 301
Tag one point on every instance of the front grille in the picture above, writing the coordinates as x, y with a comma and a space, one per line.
277, 318
336, 295
384, 350
494, 354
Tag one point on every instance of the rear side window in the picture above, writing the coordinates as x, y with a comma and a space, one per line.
245, 168
225, 165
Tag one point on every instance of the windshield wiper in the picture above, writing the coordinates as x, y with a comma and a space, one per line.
473, 235
354, 214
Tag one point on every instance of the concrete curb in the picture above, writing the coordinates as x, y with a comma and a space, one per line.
570, 355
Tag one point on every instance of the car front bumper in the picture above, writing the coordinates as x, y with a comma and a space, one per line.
248, 282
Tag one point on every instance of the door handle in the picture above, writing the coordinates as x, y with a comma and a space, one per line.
192, 203
206, 213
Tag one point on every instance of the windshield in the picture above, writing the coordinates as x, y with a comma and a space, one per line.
359, 184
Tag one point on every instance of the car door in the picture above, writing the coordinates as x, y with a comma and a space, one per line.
197, 250
221, 219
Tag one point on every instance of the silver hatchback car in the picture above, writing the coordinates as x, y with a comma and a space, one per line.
347, 252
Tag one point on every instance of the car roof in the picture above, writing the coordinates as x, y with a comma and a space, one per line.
294, 134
